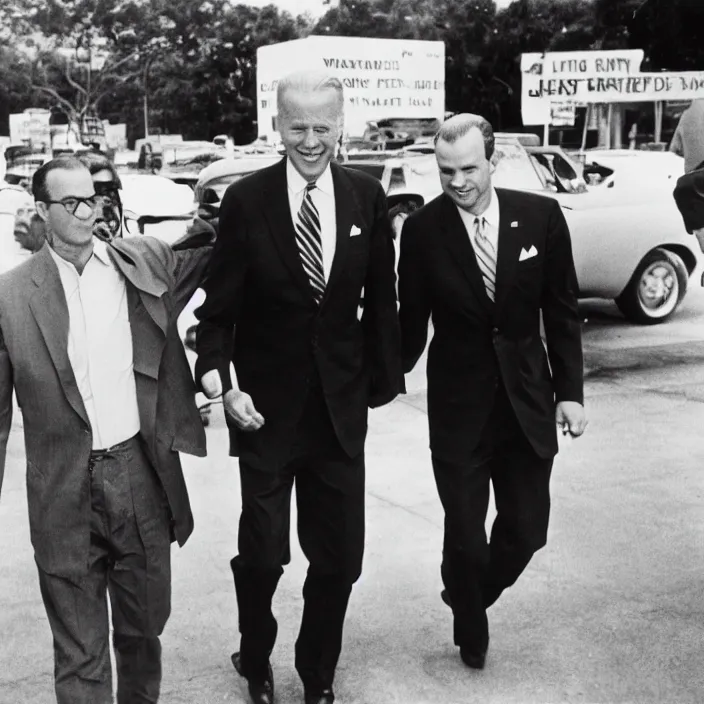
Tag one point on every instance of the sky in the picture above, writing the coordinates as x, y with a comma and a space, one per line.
316, 7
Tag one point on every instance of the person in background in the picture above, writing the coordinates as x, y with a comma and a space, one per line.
88, 341
485, 263
29, 230
297, 244
688, 140
106, 181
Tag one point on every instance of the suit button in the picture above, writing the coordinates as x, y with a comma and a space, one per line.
495, 331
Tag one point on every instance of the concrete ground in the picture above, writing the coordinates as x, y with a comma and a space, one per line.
612, 610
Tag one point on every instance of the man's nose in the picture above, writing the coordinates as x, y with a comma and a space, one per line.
457, 180
85, 212
311, 139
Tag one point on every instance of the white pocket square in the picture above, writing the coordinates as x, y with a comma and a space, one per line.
514, 223
355, 231
528, 253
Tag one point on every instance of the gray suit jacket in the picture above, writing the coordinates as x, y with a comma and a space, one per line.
34, 361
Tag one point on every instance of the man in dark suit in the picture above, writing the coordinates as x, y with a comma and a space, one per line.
88, 342
485, 263
298, 243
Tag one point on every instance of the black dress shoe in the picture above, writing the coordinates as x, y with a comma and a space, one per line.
325, 696
474, 659
261, 692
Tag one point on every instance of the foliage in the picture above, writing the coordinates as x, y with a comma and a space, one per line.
195, 60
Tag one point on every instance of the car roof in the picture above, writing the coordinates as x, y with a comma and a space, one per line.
235, 165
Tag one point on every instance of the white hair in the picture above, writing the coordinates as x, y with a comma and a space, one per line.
308, 82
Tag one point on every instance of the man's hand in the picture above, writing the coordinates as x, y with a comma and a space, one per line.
211, 384
571, 418
239, 406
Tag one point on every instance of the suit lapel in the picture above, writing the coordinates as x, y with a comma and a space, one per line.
278, 214
457, 241
149, 288
346, 215
50, 310
511, 236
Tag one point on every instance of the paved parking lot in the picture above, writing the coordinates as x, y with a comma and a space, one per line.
610, 611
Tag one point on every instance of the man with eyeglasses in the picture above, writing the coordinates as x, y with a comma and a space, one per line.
88, 342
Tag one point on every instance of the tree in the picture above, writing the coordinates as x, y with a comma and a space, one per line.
15, 90
667, 31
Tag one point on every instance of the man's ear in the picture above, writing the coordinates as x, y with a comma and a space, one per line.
42, 210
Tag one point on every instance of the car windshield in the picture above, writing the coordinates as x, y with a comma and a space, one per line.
514, 168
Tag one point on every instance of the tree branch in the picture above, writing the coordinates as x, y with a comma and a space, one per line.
57, 97
111, 68
74, 84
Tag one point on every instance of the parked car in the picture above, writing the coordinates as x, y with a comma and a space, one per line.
214, 180
155, 205
560, 172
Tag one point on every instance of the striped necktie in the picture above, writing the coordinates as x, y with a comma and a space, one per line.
486, 257
310, 244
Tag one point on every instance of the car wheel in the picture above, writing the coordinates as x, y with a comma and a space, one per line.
656, 288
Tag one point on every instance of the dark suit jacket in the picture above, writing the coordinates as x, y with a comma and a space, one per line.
257, 287
34, 360
476, 343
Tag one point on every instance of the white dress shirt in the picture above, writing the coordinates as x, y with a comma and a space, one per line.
100, 346
491, 222
324, 198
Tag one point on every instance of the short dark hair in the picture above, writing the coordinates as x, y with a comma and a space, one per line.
97, 161
458, 126
66, 162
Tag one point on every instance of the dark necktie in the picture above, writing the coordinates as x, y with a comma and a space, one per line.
310, 245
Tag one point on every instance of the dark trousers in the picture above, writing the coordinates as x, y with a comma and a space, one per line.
330, 502
475, 571
130, 558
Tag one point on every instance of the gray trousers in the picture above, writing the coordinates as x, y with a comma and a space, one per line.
130, 559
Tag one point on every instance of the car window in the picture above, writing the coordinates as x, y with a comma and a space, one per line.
514, 168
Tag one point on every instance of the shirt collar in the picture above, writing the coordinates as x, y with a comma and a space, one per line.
297, 183
491, 214
100, 252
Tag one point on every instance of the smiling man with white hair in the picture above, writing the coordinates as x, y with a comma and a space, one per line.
298, 243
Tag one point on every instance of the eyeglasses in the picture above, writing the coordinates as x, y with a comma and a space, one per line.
72, 205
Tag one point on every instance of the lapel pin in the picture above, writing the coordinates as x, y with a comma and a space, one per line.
514, 223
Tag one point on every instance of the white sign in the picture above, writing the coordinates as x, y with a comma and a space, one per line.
382, 78
597, 77
32, 127
581, 64
562, 114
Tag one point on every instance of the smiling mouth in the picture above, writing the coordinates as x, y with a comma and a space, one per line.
310, 157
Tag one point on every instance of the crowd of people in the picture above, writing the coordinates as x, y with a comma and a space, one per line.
107, 396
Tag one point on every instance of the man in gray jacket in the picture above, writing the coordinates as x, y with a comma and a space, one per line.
88, 342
